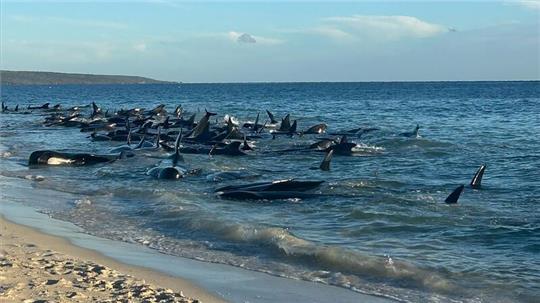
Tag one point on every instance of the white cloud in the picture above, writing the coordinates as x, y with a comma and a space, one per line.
532, 4
378, 27
249, 39
331, 32
68, 21
140, 47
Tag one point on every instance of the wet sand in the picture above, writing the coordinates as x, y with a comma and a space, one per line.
36, 267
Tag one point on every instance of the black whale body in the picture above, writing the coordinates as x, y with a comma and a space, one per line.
51, 157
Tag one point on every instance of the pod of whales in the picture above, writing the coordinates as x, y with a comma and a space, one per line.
155, 129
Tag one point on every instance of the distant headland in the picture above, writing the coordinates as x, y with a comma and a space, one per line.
52, 78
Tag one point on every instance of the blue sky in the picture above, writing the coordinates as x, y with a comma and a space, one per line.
277, 41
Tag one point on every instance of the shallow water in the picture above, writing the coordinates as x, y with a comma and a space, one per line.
379, 228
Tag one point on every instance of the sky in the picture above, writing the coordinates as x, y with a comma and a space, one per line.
279, 41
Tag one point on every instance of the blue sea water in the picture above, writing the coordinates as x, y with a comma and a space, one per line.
381, 226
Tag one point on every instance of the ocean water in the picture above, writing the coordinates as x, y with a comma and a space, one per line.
381, 226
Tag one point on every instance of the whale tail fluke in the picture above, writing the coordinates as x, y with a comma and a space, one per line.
454, 196
476, 181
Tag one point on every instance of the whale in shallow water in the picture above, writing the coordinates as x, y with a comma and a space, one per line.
44, 106
271, 116
278, 185
342, 147
280, 189
325, 164
413, 134
173, 172
316, 129
201, 132
454, 196
476, 181
290, 130
51, 157
265, 195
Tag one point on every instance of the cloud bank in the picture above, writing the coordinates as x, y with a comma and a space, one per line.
531, 4
377, 27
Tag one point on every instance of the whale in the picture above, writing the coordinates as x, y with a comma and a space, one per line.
173, 172
51, 157
277, 185
342, 147
201, 132
289, 131
271, 116
265, 195
231, 149
96, 110
325, 164
476, 181
285, 125
316, 129
44, 106
255, 126
412, 134
454, 196
279, 189
322, 144
245, 145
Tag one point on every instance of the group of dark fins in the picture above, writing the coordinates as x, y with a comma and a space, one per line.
200, 132
476, 183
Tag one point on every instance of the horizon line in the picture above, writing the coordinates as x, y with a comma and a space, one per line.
271, 82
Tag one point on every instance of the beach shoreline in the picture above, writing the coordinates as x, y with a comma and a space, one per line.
203, 281
36, 265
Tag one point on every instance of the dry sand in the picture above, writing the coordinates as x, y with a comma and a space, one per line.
36, 267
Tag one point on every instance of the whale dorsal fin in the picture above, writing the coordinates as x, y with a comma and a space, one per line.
271, 116
285, 123
246, 144
292, 129
325, 164
454, 196
177, 157
476, 181
256, 126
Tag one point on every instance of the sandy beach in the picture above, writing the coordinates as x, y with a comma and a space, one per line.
35, 267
